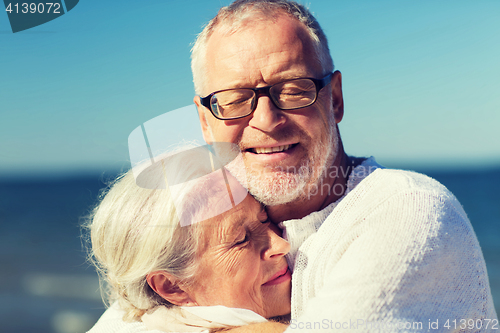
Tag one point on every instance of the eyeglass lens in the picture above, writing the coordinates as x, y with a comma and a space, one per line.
287, 95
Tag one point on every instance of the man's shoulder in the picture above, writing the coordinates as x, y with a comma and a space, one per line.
370, 175
393, 181
391, 197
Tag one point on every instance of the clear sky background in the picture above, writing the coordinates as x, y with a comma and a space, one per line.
421, 80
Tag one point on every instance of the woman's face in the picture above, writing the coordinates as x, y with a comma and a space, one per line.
242, 263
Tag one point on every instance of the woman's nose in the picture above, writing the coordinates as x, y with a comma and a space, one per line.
277, 246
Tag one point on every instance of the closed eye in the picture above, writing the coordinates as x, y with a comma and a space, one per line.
243, 241
235, 102
293, 92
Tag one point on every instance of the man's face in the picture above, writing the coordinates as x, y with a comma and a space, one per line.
284, 152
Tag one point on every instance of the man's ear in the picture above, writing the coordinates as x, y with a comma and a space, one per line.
337, 98
167, 286
202, 114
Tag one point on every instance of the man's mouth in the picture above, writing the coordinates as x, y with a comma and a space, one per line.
271, 150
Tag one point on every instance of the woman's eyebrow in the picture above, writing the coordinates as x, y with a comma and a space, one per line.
232, 230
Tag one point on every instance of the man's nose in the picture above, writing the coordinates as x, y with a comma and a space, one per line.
266, 116
277, 247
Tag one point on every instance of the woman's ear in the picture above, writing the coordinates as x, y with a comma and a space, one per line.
168, 287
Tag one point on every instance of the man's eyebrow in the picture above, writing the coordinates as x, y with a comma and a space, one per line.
285, 77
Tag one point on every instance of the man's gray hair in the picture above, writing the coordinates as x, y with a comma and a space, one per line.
238, 13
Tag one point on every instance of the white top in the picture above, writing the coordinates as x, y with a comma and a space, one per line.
181, 319
198, 318
396, 252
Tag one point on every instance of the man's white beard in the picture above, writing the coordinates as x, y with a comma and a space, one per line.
274, 186
277, 186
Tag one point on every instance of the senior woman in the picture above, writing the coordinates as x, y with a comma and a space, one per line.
225, 267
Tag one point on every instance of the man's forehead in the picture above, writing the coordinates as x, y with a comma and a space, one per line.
267, 46
248, 26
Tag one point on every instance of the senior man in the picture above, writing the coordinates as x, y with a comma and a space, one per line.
373, 249
371, 246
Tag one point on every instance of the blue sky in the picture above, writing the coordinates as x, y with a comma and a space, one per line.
421, 80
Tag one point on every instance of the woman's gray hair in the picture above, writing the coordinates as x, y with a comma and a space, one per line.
135, 231
238, 13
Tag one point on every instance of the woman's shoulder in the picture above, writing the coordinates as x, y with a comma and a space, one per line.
112, 321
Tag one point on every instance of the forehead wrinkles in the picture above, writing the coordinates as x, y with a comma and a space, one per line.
243, 54
218, 251
220, 229
231, 227
223, 229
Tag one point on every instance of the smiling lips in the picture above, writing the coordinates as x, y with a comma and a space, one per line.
282, 276
268, 150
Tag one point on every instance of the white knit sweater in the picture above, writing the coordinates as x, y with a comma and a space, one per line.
396, 254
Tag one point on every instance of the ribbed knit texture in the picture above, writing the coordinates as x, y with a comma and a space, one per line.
396, 249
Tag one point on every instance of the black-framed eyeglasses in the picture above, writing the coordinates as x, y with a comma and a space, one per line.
237, 103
